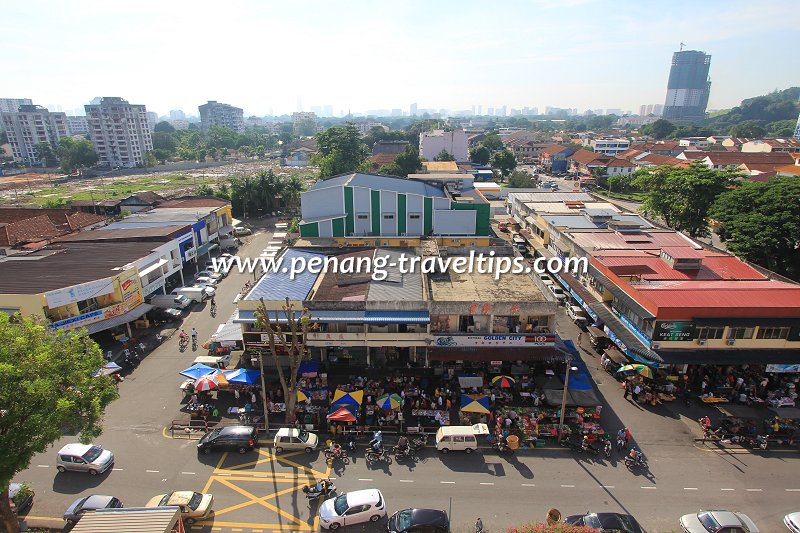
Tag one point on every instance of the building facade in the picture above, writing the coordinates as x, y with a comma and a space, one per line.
688, 87
455, 142
77, 125
30, 125
119, 131
11, 105
610, 147
214, 113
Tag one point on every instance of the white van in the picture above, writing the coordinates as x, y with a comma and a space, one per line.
460, 437
170, 301
196, 294
217, 361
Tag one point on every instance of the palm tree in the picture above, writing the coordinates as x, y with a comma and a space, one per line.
291, 191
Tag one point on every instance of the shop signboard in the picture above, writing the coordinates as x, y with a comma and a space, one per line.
130, 285
500, 341
80, 320
784, 369
79, 293
635, 330
673, 331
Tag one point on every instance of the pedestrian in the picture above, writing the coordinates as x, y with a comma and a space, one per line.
580, 338
236, 395
627, 386
253, 397
636, 391
627, 436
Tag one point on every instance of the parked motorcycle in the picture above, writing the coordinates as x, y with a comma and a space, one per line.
607, 448
501, 446
757, 442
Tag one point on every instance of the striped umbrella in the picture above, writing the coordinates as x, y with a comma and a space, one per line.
505, 382
301, 396
206, 383
389, 401
642, 370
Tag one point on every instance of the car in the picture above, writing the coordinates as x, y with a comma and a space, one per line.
419, 521
210, 274
168, 314
240, 438
713, 521
624, 523
194, 505
558, 292
20, 497
351, 508
89, 458
297, 439
547, 280
88, 504
577, 315
792, 521
204, 280
241, 231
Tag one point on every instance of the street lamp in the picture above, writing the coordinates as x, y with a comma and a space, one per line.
564, 400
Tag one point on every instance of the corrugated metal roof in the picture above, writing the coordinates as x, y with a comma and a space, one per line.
571, 221
397, 286
132, 520
397, 317
645, 240
278, 285
721, 294
654, 268
386, 183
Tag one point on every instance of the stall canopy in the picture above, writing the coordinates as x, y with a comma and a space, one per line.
389, 401
343, 413
309, 369
469, 381
132, 520
343, 398
197, 370
475, 403
242, 376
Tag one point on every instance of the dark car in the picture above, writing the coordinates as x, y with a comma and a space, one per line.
419, 521
21, 497
239, 438
168, 315
87, 504
606, 522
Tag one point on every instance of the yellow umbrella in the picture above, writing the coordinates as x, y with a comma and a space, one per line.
301, 396
642, 370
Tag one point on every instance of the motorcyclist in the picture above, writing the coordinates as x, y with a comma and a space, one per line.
402, 444
635, 456
705, 423
335, 449
377, 442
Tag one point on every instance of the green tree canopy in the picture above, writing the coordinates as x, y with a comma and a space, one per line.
520, 180
749, 128
340, 150
163, 127
75, 154
45, 152
407, 162
660, 129
682, 197
479, 154
504, 161
492, 142
444, 155
46, 388
760, 222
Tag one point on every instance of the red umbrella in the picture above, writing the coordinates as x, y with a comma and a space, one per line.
206, 383
342, 415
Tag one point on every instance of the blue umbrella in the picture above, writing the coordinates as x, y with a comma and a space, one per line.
197, 370
243, 376
109, 368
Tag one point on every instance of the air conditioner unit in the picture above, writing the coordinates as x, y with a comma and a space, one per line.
656, 346
701, 342
731, 342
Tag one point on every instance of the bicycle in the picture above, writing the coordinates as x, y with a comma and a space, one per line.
213, 310
183, 344
194, 343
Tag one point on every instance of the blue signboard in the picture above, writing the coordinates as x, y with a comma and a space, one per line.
636, 331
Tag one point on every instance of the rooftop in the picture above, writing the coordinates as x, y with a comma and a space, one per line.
67, 265
441, 176
648, 266
156, 233
195, 202
474, 287
278, 285
374, 181
638, 240
550, 197
570, 208
440, 166
753, 297
737, 158
162, 216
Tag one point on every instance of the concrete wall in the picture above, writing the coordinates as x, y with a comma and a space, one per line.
322, 202
454, 222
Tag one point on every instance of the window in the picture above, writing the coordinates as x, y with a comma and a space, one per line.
414, 216
709, 333
388, 216
362, 216
772, 333
741, 333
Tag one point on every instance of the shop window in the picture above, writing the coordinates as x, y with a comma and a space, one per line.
88, 305
772, 333
741, 333
709, 333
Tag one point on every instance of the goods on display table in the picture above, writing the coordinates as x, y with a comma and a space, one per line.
439, 417
537, 422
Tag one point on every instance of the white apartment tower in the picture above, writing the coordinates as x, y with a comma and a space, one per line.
11, 105
119, 131
30, 125
223, 115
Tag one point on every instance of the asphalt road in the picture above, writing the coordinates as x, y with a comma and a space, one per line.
260, 492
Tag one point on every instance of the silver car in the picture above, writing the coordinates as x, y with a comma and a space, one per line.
89, 458
717, 520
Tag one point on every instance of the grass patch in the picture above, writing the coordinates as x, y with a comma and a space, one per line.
631, 196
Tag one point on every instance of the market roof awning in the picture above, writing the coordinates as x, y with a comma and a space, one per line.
711, 356
576, 289
228, 332
397, 317
130, 520
621, 295
495, 354
631, 344
337, 316
119, 320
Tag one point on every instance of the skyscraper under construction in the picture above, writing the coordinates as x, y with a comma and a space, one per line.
688, 86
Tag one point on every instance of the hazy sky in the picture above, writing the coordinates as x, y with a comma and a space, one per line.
262, 55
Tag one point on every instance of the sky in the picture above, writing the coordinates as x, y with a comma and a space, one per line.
264, 56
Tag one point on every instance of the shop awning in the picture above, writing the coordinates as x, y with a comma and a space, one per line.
545, 354
119, 320
228, 333
577, 290
633, 347
397, 317
236, 221
224, 230
130, 520
151, 268
711, 356
337, 316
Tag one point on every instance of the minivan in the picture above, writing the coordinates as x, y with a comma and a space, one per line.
89, 458
170, 301
196, 294
577, 315
240, 438
217, 361
460, 438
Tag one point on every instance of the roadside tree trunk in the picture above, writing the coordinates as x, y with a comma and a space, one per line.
7, 518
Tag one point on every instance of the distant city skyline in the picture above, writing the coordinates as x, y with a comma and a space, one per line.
277, 58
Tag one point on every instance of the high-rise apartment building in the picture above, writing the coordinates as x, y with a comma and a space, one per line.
688, 87
223, 115
77, 125
11, 105
177, 114
119, 131
304, 123
30, 125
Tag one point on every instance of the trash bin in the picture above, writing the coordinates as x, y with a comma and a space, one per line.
513, 442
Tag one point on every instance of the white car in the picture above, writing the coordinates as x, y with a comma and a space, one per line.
295, 439
717, 521
203, 280
210, 274
792, 521
577, 315
558, 292
350, 508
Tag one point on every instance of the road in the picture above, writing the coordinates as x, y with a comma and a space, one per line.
260, 492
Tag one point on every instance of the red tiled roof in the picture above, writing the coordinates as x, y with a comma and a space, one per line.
659, 159
553, 149
693, 155
378, 160
28, 230
793, 170
618, 162
586, 157
648, 266
737, 158
79, 219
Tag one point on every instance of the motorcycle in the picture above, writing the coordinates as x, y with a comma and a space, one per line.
757, 442
378, 455
607, 449
639, 461
620, 443
330, 456
501, 446
314, 492
183, 343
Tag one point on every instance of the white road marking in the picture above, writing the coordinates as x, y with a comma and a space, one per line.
448, 482
727, 489
43, 466
528, 485
648, 488
365, 479
406, 480
188, 473
608, 486
689, 488
792, 490
223, 474
487, 483
152, 471
754, 490
568, 486
118, 469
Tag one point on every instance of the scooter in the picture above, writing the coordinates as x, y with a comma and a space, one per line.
378, 455
759, 441
620, 443
330, 456
314, 492
607, 449
639, 461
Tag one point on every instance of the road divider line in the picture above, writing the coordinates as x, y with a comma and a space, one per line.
365, 479
792, 490
568, 486
447, 482
406, 480
152, 471
484, 483
118, 469
188, 473
528, 485
727, 489
608, 486
689, 488
754, 490
42, 466
648, 488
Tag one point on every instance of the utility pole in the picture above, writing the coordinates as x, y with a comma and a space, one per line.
568, 360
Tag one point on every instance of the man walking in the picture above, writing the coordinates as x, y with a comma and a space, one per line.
627, 389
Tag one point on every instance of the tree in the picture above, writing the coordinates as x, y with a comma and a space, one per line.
163, 127
600, 175
492, 142
479, 154
44, 152
749, 128
660, 129
75, 154
290, 342
504, 161
683, 196
291, 190
407, 162
150, 160
46, 389
204, 189
340, 150
164, 141
760, 222
444, 155
520, 180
